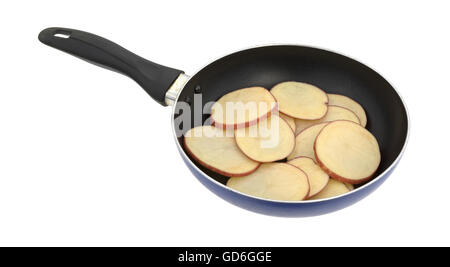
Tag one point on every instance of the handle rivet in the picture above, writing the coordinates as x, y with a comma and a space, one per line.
187, 99
197, 89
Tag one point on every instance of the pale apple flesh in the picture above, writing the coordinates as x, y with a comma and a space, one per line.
275, 181
304, 142
300, 100
334, 113
317, 178
332, 189
347, 152
347, 102
289, 120
242, 108
349, 186
269, 140
216, 150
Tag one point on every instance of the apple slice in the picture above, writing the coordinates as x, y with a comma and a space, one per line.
332, 189
242, 108
317, 178
349, 186
289, 120
334, 113
270, 140
304, 142
216, 150
300, 100
347, 152
347, 102
276, 181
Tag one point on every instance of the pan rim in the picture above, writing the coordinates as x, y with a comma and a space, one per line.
298, 202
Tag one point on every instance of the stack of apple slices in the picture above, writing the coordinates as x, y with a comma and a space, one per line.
292, 143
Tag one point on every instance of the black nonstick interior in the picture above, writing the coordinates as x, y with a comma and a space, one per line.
334, 73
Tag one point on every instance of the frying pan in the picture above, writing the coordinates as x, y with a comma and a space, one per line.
261, 66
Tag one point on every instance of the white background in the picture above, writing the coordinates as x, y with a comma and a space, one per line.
87, 158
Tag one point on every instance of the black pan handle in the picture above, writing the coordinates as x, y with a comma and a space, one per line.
155, 79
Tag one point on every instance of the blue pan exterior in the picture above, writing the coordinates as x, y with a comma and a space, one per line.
286, 209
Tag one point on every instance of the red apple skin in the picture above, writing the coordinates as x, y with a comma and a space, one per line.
331, 121
326, 103
308, 197
229, 174
359, 120
351, 110
307, 180
265, 161
310, 127
247, 123
337, 176
340, 178
288, 122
